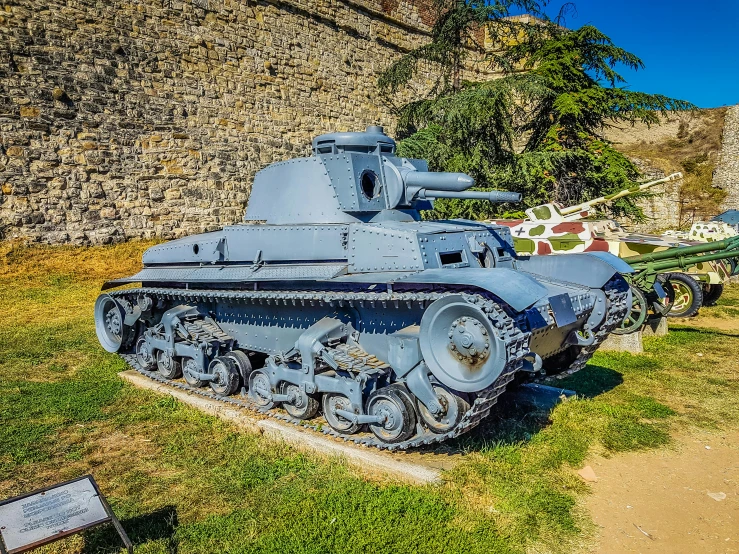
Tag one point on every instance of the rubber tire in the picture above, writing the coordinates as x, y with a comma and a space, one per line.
347, 428
149, 364
308, 412
460, 404
695, 290
174, 372
402, 399
243, 365
253, 396
712, 294
197, 383
231, 382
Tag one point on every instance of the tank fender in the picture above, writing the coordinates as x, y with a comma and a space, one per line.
591, 269
517, 290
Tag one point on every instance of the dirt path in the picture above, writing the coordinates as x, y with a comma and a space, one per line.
683, 500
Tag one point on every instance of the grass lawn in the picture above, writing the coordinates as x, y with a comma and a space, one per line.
182, 481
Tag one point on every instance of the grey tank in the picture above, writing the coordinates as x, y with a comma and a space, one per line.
335, 306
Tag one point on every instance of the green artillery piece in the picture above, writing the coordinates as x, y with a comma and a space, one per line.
651, 276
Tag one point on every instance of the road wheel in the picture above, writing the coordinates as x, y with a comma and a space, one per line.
711, 294
688, 295
396, 407
453, 409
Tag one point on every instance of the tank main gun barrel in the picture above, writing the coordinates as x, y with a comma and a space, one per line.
425, 185
490, 196
438, 181
616, 195
726, 248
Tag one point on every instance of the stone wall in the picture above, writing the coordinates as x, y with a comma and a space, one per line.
726, 175
124, 119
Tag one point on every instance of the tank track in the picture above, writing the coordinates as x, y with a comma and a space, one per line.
617, 291
510, 328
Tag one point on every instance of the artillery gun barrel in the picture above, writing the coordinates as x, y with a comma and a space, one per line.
727, 246
616, 195
682, 262
490, 196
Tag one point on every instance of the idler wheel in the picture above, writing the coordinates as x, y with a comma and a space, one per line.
331, 403
260, 389
144, 356
636, 315
453, 409
190, 369
225, 376
110, 327
168, 366
459, 345
301, 404
396, 408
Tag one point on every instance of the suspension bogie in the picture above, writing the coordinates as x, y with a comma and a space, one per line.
412, 369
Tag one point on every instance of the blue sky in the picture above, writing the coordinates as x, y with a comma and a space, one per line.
690, 49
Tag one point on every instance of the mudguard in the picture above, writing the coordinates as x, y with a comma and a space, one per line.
515, 289
592, 269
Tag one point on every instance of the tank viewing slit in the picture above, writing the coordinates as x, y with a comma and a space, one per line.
334, 300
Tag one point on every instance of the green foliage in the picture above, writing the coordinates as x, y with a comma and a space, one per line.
535, 130
182, 480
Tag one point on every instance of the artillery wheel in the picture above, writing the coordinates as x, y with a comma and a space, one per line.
169, 367
637, 314
712, 293
144, 356
331, 403
395, 405
453, 409
243, 364
189, 368
260, 389
226, 376
303, 406
688, 295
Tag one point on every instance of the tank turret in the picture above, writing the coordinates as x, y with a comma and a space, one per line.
335, 305
355, 177
555, 213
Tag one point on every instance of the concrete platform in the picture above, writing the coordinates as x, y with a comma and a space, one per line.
655, 327
624, 343
633, 343
391, 465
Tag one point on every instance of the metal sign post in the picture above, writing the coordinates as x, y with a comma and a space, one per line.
52, 513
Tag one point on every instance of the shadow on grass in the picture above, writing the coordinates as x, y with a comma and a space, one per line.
516, 418
591, 381
158, 526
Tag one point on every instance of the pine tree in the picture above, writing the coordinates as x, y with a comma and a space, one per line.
538, 129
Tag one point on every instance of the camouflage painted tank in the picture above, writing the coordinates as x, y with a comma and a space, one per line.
334, 306
710, 231
553, 229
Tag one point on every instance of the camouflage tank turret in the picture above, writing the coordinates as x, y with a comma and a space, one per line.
334, 298
709, 231
553, 229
